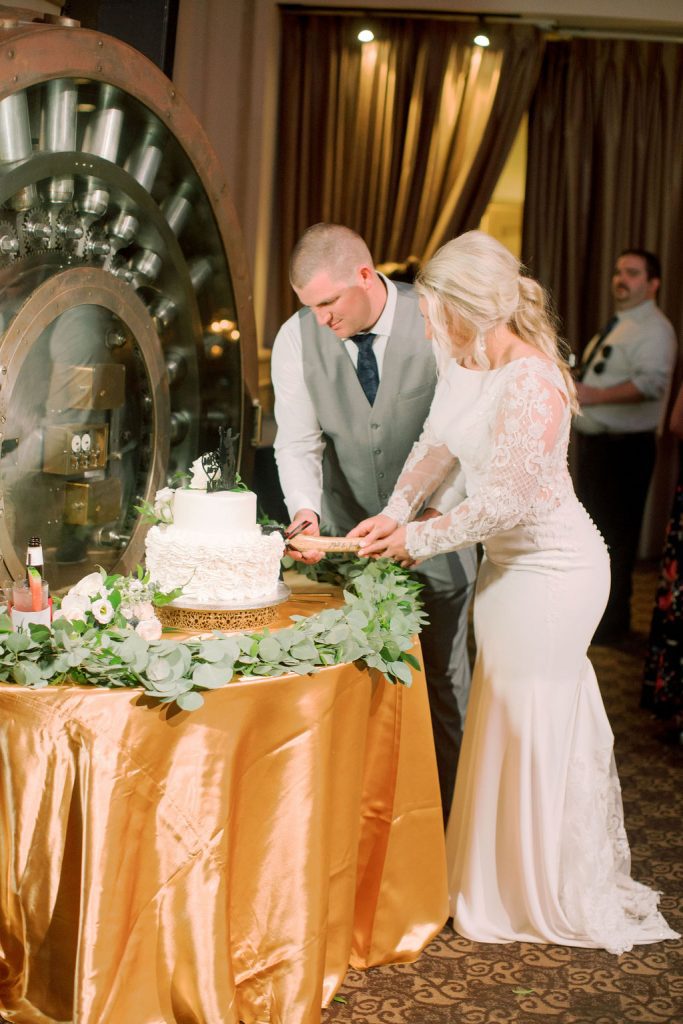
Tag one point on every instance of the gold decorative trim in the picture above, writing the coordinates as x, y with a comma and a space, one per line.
203, 620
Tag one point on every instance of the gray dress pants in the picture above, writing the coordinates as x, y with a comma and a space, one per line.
448, 582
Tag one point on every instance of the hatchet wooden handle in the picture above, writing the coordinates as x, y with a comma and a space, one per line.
306, 543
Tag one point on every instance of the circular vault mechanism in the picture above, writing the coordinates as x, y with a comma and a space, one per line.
126, 331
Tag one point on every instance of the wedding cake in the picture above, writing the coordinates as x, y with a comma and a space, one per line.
209, 544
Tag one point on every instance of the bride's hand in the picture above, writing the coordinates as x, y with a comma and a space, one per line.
392, 545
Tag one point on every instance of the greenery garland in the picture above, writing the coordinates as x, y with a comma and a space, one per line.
375, 627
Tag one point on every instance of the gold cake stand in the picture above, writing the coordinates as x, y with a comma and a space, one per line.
194, 617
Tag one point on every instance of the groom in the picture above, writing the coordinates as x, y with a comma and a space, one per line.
354, 378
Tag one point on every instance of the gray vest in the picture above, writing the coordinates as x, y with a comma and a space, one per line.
366, 446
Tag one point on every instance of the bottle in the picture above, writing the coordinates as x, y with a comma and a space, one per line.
34, 556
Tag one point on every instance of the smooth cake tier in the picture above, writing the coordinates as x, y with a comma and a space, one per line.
226, 513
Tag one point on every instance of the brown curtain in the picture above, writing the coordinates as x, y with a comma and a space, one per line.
605, 171
402, 139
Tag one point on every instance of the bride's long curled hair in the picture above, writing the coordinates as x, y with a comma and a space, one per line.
471, 286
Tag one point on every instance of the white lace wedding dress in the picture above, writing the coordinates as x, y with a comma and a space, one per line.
536, 844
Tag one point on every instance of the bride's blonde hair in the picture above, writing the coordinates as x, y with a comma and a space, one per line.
474, 284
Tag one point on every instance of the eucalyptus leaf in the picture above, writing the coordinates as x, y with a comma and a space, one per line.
212, 650
76, 656
269, 649
306, 669
352, 650
134, 651
401, 671
391, 650
189, 701
164, 647
67, 627
209, 676
374, 661
338, 633
27, 674
17, 642
263, 670
227, 645
248, 645
57, 666
287, 637
304, 651
158, 669
329, 616
178, 657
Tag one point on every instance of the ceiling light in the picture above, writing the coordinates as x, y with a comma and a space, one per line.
481, 40
365, 35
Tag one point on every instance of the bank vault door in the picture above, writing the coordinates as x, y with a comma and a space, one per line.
126, 331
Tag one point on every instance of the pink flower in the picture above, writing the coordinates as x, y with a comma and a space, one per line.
149, 629
143, 610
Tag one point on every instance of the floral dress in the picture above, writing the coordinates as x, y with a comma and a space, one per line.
663, 685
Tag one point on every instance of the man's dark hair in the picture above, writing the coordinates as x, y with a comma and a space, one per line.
653, 267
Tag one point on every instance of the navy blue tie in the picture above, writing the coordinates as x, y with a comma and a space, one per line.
366, 368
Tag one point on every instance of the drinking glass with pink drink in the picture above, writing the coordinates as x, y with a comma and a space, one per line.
25, 597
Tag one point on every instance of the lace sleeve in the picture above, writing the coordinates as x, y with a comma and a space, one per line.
525, 469
426, 466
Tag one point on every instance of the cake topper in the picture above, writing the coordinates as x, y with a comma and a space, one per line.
220, 466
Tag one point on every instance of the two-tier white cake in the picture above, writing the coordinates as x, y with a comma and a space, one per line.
214, 549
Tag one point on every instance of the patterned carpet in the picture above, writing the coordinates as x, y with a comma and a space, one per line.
460, 982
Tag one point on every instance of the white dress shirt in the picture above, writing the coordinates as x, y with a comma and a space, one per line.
642, 350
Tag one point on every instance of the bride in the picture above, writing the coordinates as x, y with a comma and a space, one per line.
536, 845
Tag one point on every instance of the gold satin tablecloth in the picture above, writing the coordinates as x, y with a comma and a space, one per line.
217, 866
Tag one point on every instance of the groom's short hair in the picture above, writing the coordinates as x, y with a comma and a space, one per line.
330, 247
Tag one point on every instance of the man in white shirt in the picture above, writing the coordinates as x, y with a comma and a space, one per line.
624, 381
354, 377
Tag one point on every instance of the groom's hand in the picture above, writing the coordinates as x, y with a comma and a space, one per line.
312, 530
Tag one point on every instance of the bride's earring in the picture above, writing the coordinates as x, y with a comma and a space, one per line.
480, 356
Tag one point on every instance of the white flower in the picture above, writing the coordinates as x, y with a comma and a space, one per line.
199, 477
149, 629
135, 587
102, 610
126, 611
142, 611
163, 504
75, 606
88, 586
